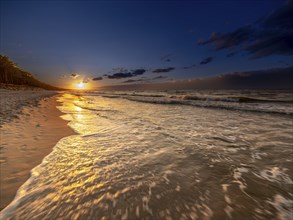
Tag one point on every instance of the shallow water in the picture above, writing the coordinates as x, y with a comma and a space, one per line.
138, 160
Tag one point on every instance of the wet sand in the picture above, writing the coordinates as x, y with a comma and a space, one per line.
27, 137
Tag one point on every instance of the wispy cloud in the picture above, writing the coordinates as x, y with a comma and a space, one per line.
269, 36
97, 78
126, 74
189, 67
134, 80
229, 40
281, 18
86, 80
159, 77
120, 75
166, 58
206, 60
270, 43
163, 70
137, 72
74, 75
146, 80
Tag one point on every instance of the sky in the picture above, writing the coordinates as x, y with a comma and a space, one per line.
105, 43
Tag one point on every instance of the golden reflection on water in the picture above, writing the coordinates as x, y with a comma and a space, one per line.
78, 109
142, 161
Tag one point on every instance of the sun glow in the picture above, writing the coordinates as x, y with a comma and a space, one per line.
80, 85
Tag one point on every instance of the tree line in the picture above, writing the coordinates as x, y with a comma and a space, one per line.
10, 73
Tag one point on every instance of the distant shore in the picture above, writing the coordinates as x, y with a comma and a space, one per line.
30, 128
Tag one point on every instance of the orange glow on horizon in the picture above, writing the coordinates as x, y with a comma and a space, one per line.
80, 85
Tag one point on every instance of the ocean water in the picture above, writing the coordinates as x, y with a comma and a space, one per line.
166, 155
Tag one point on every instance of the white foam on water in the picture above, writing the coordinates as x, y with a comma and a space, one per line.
284, 207
134, 160
275, 174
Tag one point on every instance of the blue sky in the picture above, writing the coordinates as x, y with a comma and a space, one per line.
60, 40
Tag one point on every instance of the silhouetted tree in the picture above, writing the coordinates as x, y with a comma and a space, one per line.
10, 73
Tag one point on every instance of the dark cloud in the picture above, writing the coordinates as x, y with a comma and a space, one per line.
86, 80
206, 60
133, 80
189, 67
270, 36
272, 42
278, 78
163, 70
97, 78
74, 75
129, 81
229, 40
281, 18
138, 72
121, 75
159, 77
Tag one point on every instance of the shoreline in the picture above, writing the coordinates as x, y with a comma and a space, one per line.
29, 134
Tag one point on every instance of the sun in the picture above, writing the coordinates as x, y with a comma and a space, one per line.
80, 85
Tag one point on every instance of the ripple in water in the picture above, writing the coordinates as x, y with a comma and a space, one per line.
134, 160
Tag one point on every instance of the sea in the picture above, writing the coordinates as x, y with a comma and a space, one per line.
166, 155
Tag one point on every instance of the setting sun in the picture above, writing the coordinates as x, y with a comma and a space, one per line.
80, 85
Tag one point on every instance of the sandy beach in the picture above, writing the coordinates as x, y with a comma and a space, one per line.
13, 99
30, 128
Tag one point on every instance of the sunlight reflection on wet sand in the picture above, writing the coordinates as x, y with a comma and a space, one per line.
142, 161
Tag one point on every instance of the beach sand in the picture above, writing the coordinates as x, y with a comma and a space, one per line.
12, 101
30, 128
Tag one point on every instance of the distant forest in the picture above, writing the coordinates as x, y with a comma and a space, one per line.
10, 73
